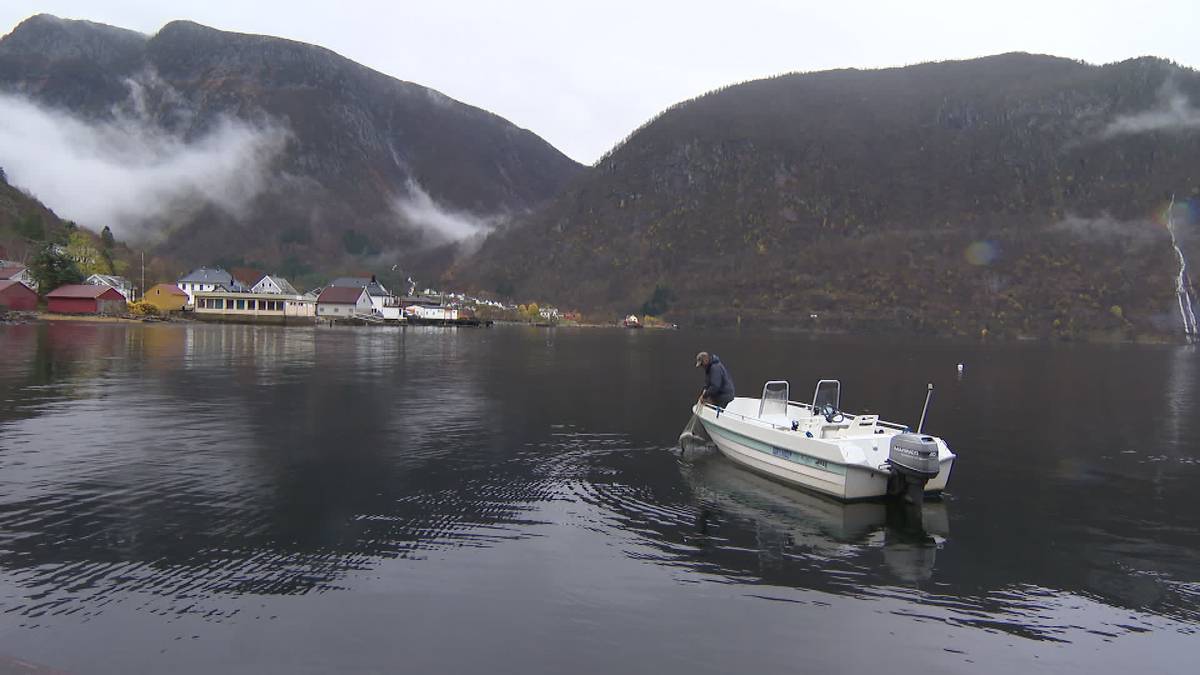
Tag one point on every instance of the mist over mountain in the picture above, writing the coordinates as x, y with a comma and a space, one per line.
1018, 194
223, 147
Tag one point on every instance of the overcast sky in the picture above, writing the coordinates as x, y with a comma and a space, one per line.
584, 74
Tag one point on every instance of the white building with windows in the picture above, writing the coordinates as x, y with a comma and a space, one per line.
206, 280
238, 305
344, 302
382, 301
121, 284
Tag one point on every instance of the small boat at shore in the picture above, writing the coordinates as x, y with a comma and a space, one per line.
819, 447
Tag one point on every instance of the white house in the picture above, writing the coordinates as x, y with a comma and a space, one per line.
121, 284
343, 302
274, 285
16, 272
382, 300
205, 279
426, 313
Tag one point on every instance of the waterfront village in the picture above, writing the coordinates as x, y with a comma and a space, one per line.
214, 294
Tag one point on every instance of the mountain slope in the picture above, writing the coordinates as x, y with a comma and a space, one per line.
1016, 193
27, 226
343, 151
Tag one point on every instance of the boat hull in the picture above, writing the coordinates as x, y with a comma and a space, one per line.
807, 463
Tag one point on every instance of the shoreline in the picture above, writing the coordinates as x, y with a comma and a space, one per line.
27, 317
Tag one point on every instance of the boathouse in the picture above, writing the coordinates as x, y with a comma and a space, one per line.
85, 299
16, 296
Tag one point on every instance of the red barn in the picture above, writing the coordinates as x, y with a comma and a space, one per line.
15, 295
81, 299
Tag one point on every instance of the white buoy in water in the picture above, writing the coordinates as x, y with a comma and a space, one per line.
960, 367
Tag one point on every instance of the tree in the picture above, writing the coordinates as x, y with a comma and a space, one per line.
106, 238
88, 259
658, 302
51, 269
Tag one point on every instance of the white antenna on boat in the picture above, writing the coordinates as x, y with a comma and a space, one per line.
928, 395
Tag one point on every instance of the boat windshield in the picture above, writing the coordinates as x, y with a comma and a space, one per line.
828, 392
774, 399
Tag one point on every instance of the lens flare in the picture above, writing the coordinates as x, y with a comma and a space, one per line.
982, 253
1184, 212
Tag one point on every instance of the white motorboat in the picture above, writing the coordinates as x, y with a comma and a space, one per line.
819, 447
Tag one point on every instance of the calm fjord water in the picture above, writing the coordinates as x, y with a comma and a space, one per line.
205, 498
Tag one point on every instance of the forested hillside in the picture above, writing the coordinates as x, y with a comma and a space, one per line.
1016, 194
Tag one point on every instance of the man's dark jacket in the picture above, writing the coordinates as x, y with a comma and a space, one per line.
718, 385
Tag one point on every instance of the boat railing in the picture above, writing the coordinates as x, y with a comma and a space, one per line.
758, 420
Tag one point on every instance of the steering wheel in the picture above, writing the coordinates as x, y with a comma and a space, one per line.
831, 415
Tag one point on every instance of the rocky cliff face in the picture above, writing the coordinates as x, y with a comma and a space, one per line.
355, 165
1016, 194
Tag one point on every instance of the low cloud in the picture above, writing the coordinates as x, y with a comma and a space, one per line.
442, 225
1173, 112
128, 172
1106, 228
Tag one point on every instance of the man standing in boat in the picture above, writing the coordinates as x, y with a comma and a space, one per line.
718, 385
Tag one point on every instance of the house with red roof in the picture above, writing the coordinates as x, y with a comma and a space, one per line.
16, 272
16, 296
343, 302
85, 299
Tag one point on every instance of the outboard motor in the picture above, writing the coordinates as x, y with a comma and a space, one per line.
913, 459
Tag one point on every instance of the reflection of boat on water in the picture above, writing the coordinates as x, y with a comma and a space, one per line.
819, 447
907, 535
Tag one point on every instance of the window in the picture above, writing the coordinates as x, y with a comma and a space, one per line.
220, 303
241, 304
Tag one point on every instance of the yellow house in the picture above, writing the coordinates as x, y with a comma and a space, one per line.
166, 297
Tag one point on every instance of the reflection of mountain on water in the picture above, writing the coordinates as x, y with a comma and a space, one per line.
801, 526
187, 462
